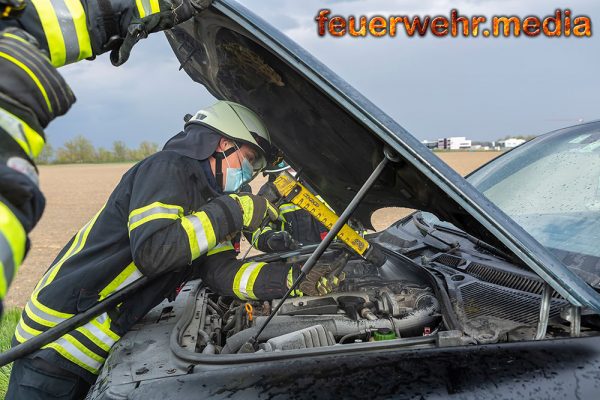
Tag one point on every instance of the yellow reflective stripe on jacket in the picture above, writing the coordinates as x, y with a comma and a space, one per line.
243, 284
44, 315
200, 233
19, 38
41, 313
77, 14
129, 275
290, 282
24, 332
259, 232
156, 210
68, 347
284, 209
221, 247
12, 247
31, 75
30, 141
102, 322
65, 27
97, 336
76, 246
147, 7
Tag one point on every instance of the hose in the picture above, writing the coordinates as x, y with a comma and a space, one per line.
339, 326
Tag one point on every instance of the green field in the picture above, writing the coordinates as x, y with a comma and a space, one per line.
7, 328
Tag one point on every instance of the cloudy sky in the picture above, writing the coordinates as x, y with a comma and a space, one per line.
475, 87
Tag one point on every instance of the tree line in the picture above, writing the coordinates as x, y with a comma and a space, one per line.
80, 150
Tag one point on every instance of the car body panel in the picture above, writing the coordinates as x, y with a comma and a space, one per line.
553, 369
337, 135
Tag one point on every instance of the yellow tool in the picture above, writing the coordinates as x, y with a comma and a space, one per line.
299, 195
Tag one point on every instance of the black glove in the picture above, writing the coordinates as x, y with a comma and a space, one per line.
255, 209
325, 276
281, 241
269, 192
30, 87
143, 21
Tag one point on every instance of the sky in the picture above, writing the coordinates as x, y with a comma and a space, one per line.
480, 88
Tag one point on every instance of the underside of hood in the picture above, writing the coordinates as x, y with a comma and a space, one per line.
334, 149
332, 134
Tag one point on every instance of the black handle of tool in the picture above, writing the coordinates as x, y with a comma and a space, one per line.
52, 334
335, 229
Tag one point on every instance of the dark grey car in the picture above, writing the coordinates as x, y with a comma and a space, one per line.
490, 290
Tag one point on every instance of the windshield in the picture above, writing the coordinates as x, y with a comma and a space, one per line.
551, 187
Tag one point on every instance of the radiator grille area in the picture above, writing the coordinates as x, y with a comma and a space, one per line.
507, 279
448, 260
481, 299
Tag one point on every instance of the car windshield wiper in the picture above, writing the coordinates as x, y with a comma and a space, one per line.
427, 230
477, 242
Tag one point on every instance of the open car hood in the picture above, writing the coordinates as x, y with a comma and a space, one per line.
335, 136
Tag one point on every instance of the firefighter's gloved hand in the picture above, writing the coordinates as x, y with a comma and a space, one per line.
325, 277
269, 192
282, 241
255, 210
151, 16
30, 87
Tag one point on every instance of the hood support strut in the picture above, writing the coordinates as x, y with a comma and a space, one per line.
389, 155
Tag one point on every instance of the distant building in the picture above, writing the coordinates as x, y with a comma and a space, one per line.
454, 143
511, 143
430, 144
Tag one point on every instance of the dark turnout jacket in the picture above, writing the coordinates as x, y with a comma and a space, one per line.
162, 218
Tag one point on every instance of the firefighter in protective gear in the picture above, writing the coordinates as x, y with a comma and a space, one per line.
32, 94
73, 30
35, 36
294, 227
169, 216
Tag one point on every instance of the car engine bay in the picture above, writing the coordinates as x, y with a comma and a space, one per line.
458, 296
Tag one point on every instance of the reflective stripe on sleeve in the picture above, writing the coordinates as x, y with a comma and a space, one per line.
243, 284
12, 247
221, 247
129, 275
31, 75
200, 233
259, 232
147, 7
30, 141
284, 209
65, 27
156, 210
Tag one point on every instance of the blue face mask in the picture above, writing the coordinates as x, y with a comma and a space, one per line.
236, 177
